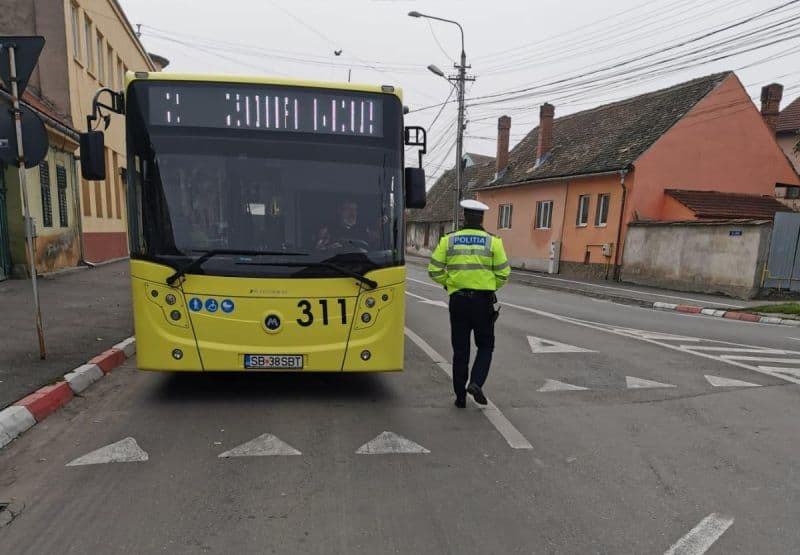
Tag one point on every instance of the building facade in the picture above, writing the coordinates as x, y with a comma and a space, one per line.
574, 184
89, 44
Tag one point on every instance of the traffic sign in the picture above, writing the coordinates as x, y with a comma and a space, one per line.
34, 136
26, 54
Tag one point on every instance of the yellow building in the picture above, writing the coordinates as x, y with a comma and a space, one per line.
89, 44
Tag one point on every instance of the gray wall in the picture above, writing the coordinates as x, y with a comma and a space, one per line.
702, 257
42, 17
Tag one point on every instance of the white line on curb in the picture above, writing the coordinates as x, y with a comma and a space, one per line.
702, 536
128, 347
83, 376
512, 436
13, 421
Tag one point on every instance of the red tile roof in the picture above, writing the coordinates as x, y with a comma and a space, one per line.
718, 205
789, 119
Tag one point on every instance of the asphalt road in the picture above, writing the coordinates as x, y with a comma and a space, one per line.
649, 456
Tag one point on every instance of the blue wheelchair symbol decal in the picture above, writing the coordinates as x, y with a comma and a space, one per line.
211, 305
195, 305
227, 306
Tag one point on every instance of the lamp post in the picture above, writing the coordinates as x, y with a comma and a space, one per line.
460, 79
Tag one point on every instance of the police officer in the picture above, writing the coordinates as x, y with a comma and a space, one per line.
471, 263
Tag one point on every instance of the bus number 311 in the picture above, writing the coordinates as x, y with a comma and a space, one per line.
308, 319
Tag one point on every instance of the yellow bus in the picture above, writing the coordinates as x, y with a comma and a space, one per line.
265, 221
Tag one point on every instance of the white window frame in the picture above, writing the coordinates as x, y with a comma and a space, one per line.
110, 63
584, 203
120, 74
504, 216
101, 60
76, 30
88, 40
544, 215
603, 204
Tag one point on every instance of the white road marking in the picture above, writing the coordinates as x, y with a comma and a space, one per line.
761, 359
423, 300
391, 443
126, 450
555, 385
629, 333
540, 345
783, 372
512, 436
756, 350
641, 383
263, 446
426, 283
702, 536
719, 381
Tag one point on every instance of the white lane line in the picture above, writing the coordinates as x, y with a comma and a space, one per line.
423, 300
756, 350
540, 346
426, 283
762, 359
702, 536
512, 436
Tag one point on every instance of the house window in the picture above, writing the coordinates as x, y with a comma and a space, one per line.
583, 210
76, 37
544, 214
120, 75
601, 216
61, 182
101, 61
109, 65
504, 219
47, 203
87, 39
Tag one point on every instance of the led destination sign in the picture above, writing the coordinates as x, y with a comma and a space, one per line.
266, 108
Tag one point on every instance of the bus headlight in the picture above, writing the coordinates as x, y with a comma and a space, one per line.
170, 298
177, 354
365, 355
370, 302
366, 318
175, 315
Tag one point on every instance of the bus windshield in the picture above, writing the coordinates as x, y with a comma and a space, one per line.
316, 198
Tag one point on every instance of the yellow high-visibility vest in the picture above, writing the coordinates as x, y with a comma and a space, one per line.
470, 258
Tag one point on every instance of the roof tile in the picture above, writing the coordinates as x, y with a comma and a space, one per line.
718, 205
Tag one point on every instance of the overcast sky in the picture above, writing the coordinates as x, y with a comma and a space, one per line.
511, 45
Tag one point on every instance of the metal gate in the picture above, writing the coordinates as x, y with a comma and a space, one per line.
5, 253
783, 268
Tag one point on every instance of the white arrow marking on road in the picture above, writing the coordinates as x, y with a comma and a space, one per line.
390, 442
263, 446
640, 383
555, 385
702, 536
754, 350
126, 450
541, 346
719, 381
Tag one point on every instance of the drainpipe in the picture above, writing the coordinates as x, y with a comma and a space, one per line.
78, 211
622, 174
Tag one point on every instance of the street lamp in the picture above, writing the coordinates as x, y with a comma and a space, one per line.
461, 78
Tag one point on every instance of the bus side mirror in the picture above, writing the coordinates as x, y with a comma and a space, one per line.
93, 158
415, 188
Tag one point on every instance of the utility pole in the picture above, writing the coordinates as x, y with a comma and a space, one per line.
460, 79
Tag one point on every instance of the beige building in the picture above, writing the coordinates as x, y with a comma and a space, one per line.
90, 44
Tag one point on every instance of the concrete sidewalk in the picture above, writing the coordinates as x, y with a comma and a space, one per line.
621, 292
85, 312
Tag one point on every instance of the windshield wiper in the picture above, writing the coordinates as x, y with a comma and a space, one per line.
198, 262
343, 271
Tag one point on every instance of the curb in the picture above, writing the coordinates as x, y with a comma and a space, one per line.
619, 299
25, 413
729, 315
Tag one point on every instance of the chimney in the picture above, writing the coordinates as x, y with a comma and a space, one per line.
503, 131
771, 104
545, 142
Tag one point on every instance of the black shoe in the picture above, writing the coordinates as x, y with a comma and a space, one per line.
461, 403
477, 394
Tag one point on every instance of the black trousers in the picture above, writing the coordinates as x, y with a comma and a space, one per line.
468, 315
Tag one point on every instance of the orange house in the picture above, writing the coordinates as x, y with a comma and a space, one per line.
564, 196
